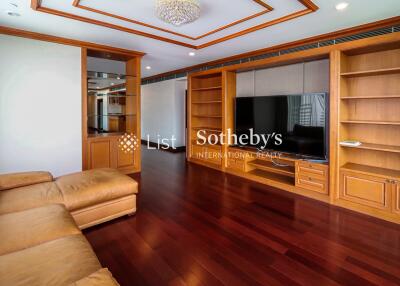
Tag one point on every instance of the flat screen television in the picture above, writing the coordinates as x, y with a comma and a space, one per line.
291, 123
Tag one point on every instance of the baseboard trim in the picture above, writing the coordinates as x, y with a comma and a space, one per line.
164, 147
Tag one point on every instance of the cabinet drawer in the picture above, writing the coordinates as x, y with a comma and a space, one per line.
365, 190
318, 171
312, 176
312, 184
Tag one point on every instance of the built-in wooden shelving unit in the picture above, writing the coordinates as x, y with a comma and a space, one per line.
111, 111
369, 112
364, 104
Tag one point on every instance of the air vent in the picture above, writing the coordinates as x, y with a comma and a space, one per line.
326, 43
300, 48
365, 35
369, 34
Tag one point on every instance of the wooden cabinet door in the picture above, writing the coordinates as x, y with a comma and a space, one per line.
365, 190
99, 153
396, 200
124, 160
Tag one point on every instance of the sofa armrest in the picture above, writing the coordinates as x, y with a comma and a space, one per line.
16, 180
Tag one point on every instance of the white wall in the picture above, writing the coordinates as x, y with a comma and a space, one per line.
40, 106
163, 110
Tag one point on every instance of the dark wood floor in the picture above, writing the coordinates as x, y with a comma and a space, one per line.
197, 226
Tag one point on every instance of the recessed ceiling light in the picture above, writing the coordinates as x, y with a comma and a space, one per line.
148, 68
13, 14
341, 6
192, 54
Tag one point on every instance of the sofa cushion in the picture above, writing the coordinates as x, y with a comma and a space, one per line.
103, 277
88, 188
57, 262
28, 197
16, 180
31, 227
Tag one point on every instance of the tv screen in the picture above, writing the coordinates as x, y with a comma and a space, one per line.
287, 123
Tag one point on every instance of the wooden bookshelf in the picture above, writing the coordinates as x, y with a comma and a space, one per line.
376, 147
205, 113
369, 112
382, 71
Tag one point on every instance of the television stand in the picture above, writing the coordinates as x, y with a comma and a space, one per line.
288, 171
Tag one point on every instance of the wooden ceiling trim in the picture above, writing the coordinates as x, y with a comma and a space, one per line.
266, 7
337, 34
112, 26
66, 41
310, 7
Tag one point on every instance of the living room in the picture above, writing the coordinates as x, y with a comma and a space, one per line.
199, 142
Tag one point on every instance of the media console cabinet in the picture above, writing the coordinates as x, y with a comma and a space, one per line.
364, 105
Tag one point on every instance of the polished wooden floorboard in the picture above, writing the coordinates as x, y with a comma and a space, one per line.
198, 226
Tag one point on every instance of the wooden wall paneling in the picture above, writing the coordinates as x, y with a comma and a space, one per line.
228, 95
382, 85
85, 164
133, 108
374, 61
373, 110
334, 107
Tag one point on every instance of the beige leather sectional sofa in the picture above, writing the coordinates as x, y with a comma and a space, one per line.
40, 220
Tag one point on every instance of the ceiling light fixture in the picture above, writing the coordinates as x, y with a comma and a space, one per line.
178, 12
192, 54
148, 68
341, 6
13, 14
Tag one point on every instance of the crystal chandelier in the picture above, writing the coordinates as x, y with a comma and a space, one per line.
178, 12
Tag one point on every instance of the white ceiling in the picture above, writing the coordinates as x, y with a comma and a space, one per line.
163, 57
